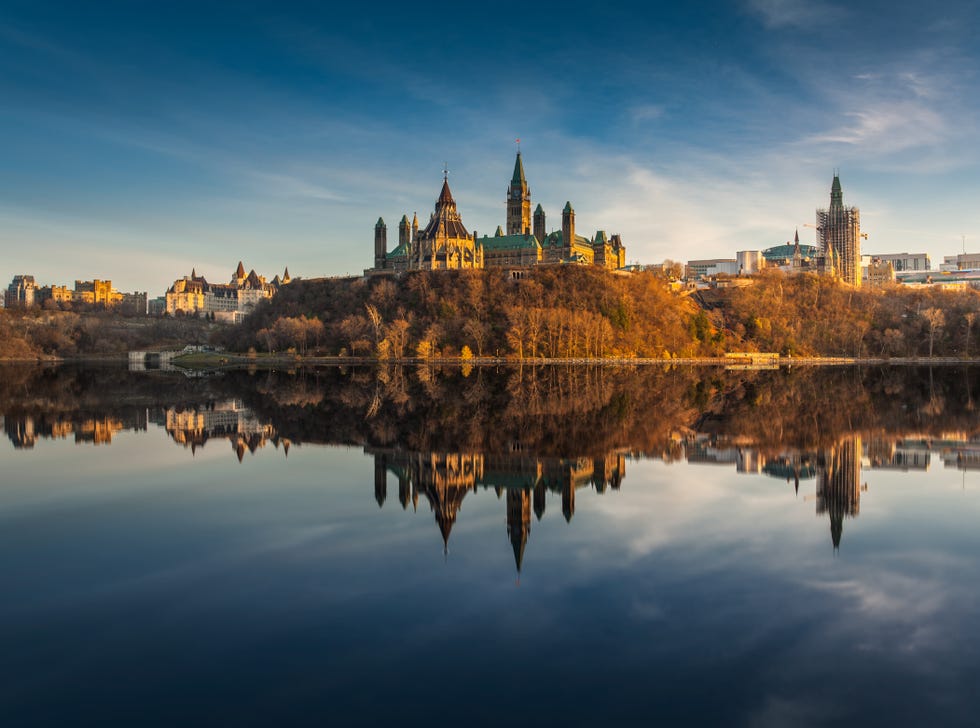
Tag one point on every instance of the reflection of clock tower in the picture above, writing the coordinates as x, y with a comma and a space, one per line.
518, 202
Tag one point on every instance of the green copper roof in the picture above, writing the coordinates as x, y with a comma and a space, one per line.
568, 207
539, 209
400, 252
509, 242
836, 194
600, 237
782, 252
404, 220
518, 178
380, 223
556, 238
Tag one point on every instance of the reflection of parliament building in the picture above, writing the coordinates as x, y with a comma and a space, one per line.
444, 479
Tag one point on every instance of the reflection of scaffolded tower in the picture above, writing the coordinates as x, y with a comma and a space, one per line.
518, 521
839, 484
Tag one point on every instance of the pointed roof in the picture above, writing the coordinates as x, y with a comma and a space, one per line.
518, 180
836, 194
499, 233
568, 207
539, 209
240, 270
446, 219
380, 223
445, 196
518, 542
404, 221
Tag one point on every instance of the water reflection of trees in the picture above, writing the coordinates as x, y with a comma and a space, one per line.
526, 432
545, 411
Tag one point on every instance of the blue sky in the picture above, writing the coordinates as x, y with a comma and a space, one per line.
141, 139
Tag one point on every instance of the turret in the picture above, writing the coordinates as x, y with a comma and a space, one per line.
539, 224
600, 247
380, 244
567, 230
404, 231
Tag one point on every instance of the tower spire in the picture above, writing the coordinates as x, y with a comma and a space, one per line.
518, 201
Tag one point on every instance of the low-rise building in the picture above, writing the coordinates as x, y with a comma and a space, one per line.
902, 262
21, 292
961, 261
879, 273
711, 267
750, 261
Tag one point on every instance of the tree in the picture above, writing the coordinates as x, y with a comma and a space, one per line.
397, 334
936, 319
375, 318
477, 331
968, 318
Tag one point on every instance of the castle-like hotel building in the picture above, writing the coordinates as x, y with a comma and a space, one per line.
445, 243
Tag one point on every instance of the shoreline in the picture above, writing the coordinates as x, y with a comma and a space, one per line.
234, 360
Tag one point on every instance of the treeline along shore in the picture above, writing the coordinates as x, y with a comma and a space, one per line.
573, 312
548, 313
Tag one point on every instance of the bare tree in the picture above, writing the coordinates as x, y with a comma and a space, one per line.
969, 318
936, 319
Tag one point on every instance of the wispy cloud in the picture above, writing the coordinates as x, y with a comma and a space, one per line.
645, 112
794, 13
887, 128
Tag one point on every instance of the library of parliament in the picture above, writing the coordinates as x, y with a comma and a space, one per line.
444, 243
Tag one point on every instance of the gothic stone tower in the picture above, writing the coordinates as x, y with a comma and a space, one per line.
839, 231
518, 202
567, 230
404, 231
380, 244
539, 225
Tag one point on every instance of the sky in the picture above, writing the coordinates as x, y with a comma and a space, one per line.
139, 140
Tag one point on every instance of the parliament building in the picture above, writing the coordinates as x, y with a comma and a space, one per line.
444, 243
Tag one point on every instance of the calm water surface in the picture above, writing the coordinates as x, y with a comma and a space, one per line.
524, 546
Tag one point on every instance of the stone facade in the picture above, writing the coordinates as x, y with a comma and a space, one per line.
445, 243
229, 302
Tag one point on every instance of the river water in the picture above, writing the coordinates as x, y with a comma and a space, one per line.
484, 546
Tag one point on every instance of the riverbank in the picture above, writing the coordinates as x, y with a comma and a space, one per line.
224, 359
237, 360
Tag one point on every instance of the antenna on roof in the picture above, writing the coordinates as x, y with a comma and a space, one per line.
445, 170
518, 143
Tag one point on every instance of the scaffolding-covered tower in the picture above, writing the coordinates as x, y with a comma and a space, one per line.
839, 235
